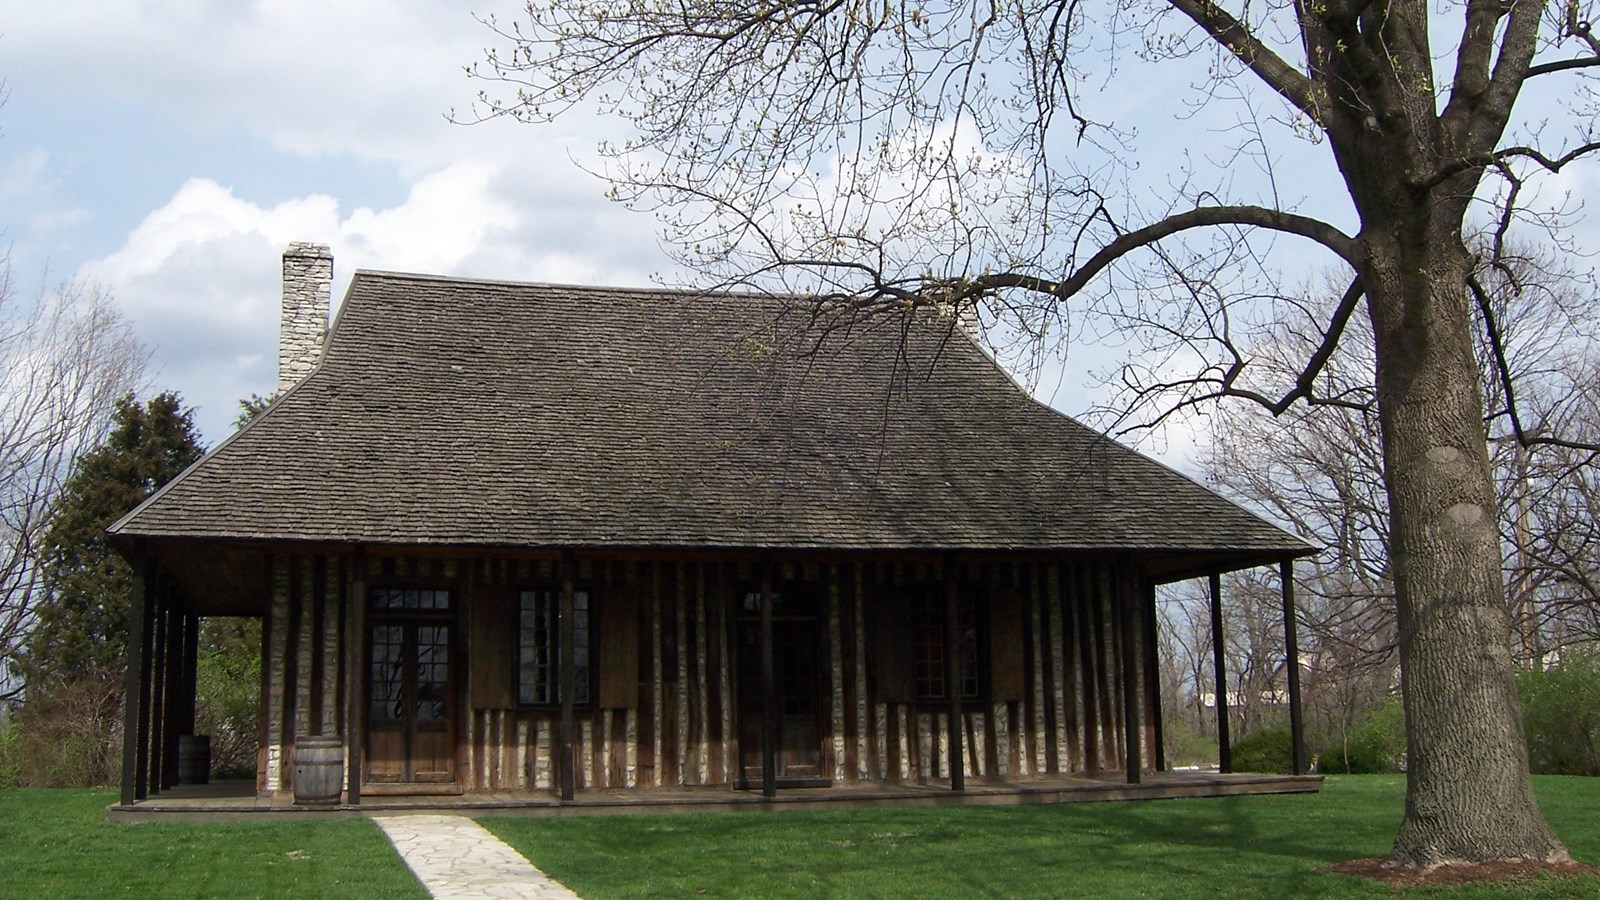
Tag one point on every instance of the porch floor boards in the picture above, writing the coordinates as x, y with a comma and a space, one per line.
237, 800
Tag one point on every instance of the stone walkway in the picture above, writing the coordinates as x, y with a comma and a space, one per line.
454, 856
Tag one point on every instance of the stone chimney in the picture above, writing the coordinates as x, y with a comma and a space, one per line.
307, 289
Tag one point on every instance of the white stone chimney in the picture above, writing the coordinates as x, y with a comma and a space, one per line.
307, 290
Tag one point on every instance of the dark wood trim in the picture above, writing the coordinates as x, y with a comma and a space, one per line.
173, 697
769, 712
1127, 618
355, 650
1219, 660
957, 761
568, 679
289, 730
319, 623
1291, 644
133, 685
158, 687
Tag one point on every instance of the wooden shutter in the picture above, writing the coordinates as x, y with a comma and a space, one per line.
493, 622
1006, 645
889, 615
618, 622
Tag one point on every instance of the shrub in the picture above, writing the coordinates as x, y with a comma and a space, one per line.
70, 735
10, 751
1270, 750
1376, 744
1561, 716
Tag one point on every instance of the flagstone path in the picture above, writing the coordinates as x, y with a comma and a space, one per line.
455, 857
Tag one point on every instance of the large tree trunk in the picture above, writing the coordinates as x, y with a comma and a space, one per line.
1469, 796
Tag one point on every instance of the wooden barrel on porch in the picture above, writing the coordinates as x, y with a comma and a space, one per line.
194, 758
318, 770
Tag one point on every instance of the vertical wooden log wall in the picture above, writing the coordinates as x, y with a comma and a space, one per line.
1058, 635
303, 667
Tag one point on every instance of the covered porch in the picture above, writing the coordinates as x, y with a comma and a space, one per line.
238, 800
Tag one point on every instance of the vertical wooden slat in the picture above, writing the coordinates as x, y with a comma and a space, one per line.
866, 740
680, 732
769, 712
1220, 664
701, 678
1128, 619
1291, 645
1060, 759
836, 679
174, 701
952, 674
569, 683
133, 684
158, 686
355, 652
657, 675
1036, 644
316, 627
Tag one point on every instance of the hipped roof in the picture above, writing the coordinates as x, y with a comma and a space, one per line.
449, 411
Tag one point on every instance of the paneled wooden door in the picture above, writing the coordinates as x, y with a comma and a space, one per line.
410, 726
796, 683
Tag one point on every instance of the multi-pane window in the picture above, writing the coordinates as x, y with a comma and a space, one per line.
928, 648
411, 599
539, 647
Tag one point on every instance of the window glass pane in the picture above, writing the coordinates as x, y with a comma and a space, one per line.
539, 647
410, 599
388, 673
433, 667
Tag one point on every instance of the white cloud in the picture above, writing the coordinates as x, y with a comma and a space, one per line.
200, 276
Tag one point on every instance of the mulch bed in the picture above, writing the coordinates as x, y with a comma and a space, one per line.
1503, 872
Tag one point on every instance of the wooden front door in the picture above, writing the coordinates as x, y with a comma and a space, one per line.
410, 733
796, 683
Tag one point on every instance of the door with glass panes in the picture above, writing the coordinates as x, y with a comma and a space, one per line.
410, 733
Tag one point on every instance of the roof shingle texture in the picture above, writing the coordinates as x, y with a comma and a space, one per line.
448, 411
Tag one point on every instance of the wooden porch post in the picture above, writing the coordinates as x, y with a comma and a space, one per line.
133, 684
1220, 664
158, 687
952, 674
569, 682
1291, 648
355, 651
1131, 730
171, 711
769, 689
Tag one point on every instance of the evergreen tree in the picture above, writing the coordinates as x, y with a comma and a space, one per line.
81, 628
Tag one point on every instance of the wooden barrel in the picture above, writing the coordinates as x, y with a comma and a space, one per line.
194, 758
318, 770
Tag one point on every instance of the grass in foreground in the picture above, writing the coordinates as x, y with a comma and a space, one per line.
58, 843
1225, 847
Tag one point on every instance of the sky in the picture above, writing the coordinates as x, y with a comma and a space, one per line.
171, 149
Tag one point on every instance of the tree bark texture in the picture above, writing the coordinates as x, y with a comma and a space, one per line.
1469, 795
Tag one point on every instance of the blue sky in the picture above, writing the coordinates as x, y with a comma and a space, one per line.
171, 149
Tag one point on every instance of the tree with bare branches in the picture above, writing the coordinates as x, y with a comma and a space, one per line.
959, 154
65, 358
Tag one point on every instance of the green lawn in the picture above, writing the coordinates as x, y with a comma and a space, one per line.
58, 843
1222, 847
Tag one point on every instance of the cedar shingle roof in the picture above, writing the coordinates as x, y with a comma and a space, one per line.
454, 411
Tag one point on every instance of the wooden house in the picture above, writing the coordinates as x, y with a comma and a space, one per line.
525, 537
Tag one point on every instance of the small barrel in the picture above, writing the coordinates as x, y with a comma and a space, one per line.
318, 770
194, 759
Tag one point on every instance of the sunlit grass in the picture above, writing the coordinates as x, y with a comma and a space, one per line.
1269, 846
